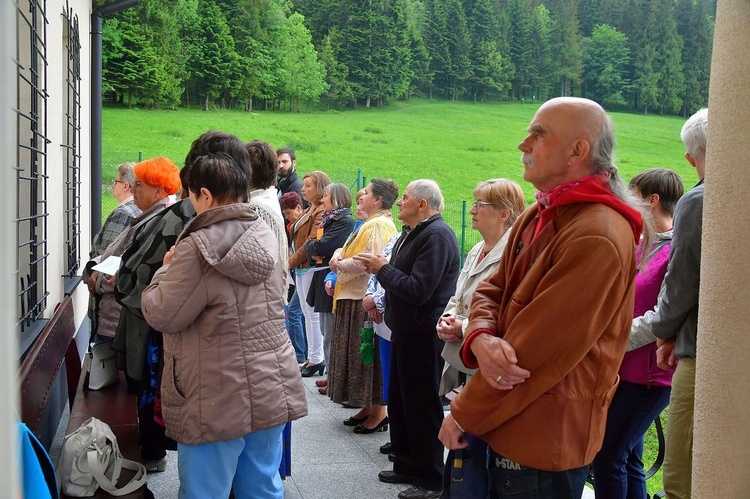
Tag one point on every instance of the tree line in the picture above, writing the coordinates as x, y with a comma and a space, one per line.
644, 55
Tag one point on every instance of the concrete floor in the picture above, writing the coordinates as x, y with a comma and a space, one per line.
328, 460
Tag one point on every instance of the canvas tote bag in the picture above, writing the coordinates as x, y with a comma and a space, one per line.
91, 458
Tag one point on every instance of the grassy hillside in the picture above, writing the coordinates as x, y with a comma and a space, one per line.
457, 144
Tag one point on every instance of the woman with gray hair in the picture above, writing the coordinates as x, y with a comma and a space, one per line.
349, 378
335, 227
120, 217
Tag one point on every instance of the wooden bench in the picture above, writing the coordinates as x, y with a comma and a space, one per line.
116, 405
38, 373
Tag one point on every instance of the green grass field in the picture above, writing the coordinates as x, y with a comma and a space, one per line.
456, 144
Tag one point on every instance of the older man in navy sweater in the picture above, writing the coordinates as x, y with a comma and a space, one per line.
418, 282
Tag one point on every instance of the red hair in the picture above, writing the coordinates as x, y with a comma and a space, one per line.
159, 172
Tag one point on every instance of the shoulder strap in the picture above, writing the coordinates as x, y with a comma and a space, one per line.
658, 246
107, 485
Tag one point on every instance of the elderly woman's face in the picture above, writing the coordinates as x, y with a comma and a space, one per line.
326, 203
145, 196
361, 215
370, 203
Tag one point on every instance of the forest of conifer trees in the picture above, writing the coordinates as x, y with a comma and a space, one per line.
650, 56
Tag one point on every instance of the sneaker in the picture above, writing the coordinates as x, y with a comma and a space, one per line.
156, 465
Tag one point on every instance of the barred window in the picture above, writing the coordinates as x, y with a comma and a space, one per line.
31, 160
72, 142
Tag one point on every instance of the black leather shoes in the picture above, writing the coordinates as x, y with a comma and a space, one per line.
311, 369
386, 448
416, 492
389, 476
363, 430
352, 421
392, 457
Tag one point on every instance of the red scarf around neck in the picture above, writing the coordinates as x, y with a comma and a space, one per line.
590, 189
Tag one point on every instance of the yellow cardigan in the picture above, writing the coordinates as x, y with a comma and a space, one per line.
371, 237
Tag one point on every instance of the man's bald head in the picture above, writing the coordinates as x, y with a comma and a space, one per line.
585, 120
569, 138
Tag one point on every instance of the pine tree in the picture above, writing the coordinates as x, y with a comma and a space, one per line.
217, 58
607, 57
541, 75
131, 70
566, 45
305, 74
660, 33
339, 91
436, 43
695, 25
457, 38
488, 67
519, 15
647, 79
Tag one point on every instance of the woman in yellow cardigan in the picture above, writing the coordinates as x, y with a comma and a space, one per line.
349, 379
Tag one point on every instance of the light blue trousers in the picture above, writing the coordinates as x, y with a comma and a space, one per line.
249, 464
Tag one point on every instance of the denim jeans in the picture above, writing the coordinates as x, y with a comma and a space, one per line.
509, 479
385, 363
618, 467
296, 327
249, 464
465, 475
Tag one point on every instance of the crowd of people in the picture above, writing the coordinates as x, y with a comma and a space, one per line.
539, 362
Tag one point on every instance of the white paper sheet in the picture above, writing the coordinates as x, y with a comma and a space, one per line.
110, 266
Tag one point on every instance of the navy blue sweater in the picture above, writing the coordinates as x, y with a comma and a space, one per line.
419, 281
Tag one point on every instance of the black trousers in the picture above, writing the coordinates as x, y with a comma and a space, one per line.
415, 412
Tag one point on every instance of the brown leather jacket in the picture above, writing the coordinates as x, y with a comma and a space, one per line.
564, 301
303, 230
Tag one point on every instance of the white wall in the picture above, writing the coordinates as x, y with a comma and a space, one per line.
56, 75
8, 344
56, 109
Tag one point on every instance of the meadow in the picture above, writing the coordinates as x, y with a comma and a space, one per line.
457, 144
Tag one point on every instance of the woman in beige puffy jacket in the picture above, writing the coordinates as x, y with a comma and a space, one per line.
230, 379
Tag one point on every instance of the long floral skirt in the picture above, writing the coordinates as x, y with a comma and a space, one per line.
349, 379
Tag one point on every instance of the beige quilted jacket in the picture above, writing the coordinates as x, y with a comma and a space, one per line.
229, 367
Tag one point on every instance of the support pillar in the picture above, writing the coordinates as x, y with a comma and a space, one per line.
721, 448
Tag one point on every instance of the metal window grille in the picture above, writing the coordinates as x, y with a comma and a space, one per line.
71, 147
31, 160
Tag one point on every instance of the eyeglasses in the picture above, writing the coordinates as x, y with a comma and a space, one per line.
478, 204
115, 182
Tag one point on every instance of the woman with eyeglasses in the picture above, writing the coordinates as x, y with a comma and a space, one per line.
158, 179
119, 218
497, 204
